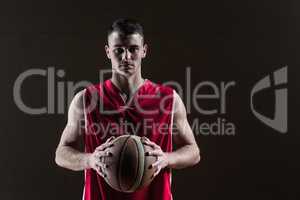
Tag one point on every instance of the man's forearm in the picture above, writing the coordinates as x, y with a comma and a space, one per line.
71, 158
185, 156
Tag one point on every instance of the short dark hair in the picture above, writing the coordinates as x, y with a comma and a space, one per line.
126, 27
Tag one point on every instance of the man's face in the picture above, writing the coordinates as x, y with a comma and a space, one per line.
126, 53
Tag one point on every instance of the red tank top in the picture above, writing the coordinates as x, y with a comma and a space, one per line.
148, 113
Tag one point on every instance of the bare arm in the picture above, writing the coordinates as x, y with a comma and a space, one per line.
188, 153
67, 155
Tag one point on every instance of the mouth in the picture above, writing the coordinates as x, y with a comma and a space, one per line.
127, 66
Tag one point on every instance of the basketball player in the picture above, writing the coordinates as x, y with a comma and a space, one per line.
127, 96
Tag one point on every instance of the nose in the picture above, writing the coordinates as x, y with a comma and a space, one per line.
126, 55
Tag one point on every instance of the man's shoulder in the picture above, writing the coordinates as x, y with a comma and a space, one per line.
79, 95
96, 88
93, 87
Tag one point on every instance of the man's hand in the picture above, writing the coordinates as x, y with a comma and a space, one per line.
162, 157
96, 159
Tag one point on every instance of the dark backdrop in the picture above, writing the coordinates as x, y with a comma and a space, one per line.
240, 41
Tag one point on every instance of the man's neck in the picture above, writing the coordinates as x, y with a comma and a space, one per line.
128, 85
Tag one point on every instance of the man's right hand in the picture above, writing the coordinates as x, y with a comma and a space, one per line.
96, 159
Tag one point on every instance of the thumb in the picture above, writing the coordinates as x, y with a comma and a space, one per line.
110, 139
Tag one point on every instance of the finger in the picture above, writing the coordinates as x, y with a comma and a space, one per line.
152, 144
144, 138
156, 164
104, 146
147, 141
149, 144
156, 146
108, 143
101, 165
155, 153
156, 172
110, 139
99, 154
102, 154
107, 153
101, 173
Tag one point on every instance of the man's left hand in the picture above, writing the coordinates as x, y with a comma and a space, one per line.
162, 157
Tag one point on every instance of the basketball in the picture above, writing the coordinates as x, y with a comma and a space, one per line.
128, 168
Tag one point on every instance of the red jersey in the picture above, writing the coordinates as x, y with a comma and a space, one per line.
148, 113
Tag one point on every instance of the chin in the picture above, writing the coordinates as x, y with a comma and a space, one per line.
126, 73
128, 70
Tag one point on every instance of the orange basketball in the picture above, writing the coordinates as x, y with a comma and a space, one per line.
128, 167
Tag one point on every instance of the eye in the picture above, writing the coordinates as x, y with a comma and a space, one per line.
133, 49
118, 50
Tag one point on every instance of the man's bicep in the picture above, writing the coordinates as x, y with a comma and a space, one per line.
75, 125
183, 134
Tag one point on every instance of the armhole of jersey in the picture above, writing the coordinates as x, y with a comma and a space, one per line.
172, 118
85, 131
83, 194
84, 112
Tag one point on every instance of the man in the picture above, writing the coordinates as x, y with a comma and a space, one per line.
127, 97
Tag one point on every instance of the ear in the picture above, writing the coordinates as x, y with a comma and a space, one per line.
145, 49
107, 51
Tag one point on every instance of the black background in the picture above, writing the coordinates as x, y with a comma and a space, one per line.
240, 41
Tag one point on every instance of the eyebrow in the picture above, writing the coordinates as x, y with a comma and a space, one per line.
119, 45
